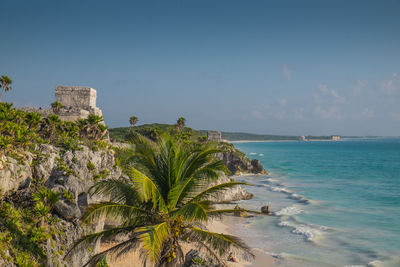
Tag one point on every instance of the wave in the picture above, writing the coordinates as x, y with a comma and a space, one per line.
292, 210
280, 189
299, 198
309, 231
252, 153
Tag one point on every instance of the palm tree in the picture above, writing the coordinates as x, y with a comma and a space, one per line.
180, 123
92, 127
5, 83
50, 126
133, 120
33, 119
164, 205
56, 106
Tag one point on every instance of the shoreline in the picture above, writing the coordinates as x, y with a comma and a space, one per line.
227, 225
224, 225
279, 141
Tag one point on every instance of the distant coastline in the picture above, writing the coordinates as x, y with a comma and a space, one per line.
270, 141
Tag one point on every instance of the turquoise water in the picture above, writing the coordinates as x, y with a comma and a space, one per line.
336, 203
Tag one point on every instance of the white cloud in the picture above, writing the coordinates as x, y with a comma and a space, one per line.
357, 89
281, 115
337, 99
299, 114
391, 86
287, 72
257, 114
283, 101
367, 113
329, 113
323, 88
396, 116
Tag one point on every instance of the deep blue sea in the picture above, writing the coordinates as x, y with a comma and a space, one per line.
335, 203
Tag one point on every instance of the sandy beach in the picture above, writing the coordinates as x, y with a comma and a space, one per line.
224, 225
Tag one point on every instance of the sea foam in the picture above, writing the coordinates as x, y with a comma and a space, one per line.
292, 210
307, 230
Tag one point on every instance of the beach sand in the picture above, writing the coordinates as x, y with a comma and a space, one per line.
131, 259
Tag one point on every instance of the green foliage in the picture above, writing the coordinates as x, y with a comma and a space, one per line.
101, 175
90, 165
154, 131
68, 196
5, 84
102, 262
62, 166
164, 203
180, 123
23, 131
200, 261
24, 232
56, 106
133, 120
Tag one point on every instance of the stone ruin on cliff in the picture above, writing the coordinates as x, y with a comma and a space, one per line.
77, 102
214, 136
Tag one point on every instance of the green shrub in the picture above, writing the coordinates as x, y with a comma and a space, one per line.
90, 166
68, 196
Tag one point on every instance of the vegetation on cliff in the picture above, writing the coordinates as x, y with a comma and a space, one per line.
164, 203
21, 131
27, 220
235, 160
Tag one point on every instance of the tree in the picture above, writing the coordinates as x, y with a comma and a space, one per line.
56, 107
92, 127
165, 204
180, 123
5, 84
133, 120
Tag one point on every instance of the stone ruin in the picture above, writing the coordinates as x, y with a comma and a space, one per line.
214, 136
77, 102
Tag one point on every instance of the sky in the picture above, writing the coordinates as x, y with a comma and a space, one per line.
271, 67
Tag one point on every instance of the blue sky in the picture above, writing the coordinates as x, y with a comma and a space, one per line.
278, 67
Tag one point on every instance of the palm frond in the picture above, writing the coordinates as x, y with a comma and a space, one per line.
220, 243
120, 191
211, 252
215, 190
178, 192
115, 211
91, 238
119, 249
153, 239
198, 159
147, 189
219, 213
194, 211
211, 171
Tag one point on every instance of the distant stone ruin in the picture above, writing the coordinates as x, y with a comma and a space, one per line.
77, 102
214, 136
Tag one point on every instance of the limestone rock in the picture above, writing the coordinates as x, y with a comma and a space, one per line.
13, 174
238, 163
265, 210
232, 194
257, 167
71, 174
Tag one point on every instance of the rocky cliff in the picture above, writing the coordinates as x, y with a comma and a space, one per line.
237, 162
70, 174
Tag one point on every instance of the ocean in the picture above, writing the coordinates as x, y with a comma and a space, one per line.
335, 203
